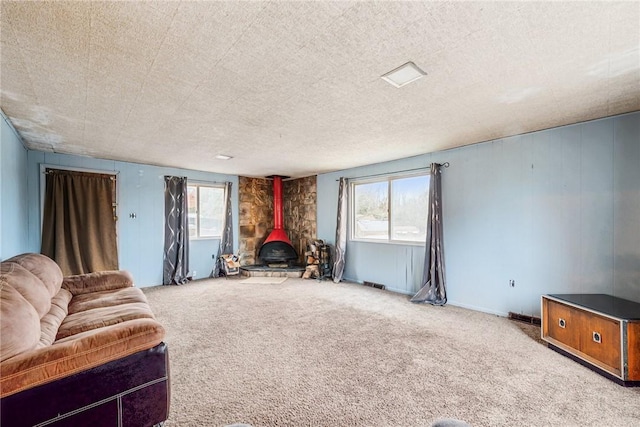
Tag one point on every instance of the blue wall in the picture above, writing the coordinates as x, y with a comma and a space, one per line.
558, 211
140, 191
13, 192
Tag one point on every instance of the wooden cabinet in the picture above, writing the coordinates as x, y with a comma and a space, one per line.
600, 331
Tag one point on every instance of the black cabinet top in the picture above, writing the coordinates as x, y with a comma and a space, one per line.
606, 304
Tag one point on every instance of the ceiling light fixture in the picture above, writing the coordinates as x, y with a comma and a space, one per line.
223, 157
404, 74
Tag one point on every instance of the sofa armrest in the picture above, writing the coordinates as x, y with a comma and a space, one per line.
78, 353
98, 281
131, 391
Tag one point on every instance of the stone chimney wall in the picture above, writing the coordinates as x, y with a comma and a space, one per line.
256, 216
300, 214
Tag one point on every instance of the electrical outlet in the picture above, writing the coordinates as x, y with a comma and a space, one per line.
194, 274
512, 283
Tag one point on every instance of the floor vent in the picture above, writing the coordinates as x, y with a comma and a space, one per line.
524, 318
374, 285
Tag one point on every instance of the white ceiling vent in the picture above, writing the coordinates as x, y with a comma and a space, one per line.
404, 74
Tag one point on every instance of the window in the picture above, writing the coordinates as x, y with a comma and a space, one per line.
392, 209
206, 210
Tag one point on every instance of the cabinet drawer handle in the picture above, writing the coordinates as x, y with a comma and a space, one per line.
597, 337
562, 323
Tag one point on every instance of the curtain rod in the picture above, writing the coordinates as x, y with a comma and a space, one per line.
53, 171
45, 166
201, 182
444, 165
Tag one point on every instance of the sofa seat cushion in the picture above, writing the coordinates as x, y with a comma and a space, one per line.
78, 353
102, 316
91, 300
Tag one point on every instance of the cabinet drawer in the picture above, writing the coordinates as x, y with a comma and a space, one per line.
563, 324
601, 340
589, 334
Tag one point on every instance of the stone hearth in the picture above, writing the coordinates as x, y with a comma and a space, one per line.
266, 271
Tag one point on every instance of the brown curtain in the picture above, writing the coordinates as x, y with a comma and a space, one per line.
79, 222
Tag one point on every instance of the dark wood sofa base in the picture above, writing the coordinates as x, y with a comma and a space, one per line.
132, 391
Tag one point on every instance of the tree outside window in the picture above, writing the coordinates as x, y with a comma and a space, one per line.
392, 209
206, 210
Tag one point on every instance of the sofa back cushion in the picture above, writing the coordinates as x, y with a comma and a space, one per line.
29, 286
19, 322
50, 323
44, 268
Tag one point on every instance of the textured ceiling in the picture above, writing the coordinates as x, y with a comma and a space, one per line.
294, 88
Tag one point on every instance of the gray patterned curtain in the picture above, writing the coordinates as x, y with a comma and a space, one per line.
176, 231
433, 281
341, 232
226, 240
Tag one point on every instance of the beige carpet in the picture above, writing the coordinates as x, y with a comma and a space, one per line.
264, 280
309, 353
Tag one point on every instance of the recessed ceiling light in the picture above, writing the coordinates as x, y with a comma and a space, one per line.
404, 74
223, 157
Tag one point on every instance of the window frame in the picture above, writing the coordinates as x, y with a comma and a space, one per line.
198, 185
389, 180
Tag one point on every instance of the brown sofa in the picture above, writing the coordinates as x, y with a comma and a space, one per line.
78, 350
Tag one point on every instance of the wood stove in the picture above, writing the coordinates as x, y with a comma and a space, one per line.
277, 248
